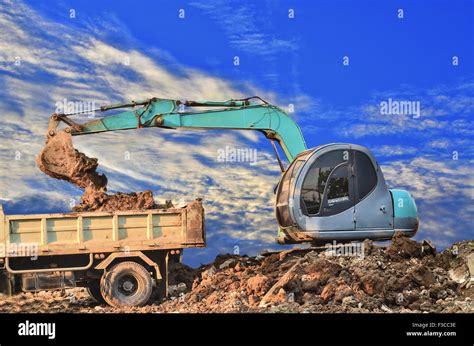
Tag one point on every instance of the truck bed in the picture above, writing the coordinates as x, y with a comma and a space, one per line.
90, 232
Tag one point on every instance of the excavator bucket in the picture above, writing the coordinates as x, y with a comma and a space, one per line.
60, 160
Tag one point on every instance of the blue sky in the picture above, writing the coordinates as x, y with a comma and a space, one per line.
114, 51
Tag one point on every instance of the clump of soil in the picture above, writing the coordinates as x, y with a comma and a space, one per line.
59, 159
101, 201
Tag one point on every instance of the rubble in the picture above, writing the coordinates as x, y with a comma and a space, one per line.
302, 281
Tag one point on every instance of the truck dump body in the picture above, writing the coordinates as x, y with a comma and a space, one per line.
90, 232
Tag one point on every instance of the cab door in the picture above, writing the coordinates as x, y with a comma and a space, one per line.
327, 194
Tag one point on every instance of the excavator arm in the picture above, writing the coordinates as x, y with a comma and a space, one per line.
240, 114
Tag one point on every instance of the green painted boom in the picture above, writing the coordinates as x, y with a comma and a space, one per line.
234, 115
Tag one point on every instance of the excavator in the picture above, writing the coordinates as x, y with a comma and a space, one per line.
332, 192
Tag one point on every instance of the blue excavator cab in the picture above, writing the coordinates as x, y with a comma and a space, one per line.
338, 192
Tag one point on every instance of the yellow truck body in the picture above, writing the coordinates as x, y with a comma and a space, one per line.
83, 247
84, 232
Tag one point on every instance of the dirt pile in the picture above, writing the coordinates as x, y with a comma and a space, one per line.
408, 276
60, 160
301, 281
101, 201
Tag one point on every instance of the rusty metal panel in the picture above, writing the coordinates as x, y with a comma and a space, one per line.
195, 224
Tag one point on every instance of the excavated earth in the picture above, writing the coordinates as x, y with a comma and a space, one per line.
60, 160
408, 276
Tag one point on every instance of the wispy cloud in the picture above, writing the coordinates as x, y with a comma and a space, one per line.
246, 30
443, 110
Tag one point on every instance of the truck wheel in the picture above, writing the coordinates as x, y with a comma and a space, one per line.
94, 291
126, 284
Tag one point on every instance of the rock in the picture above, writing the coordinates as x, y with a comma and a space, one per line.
308, 284
328, 291
253, 300
341, 292
297, 282
423, 276
174, 290
321, 270
372, 284
209, 273
229, 263
459, 274
280, 297
427, 248
258, 284
403, 247
350, 301
395, 283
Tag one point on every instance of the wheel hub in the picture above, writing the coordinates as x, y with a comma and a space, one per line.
128, 286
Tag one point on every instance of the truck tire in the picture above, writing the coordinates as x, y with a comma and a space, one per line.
126, 284
93, 288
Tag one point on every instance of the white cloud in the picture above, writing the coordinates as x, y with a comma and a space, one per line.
443, 111
443, 191
244, 28
393, 150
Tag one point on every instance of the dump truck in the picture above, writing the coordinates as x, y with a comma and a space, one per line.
121, 257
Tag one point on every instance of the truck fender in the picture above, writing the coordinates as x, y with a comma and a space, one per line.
103, 265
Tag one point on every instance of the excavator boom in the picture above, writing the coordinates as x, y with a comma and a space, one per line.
231, 115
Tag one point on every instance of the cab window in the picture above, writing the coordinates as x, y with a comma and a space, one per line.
366, 175
337, 198
328, 176
283, 212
